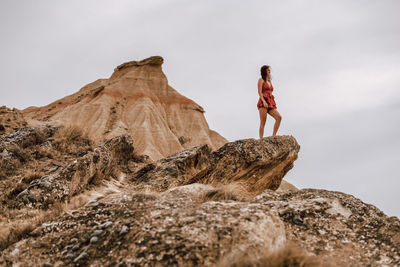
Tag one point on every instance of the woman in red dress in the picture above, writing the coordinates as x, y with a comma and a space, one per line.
266, 104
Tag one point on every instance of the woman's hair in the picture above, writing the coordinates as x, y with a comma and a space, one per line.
264, 73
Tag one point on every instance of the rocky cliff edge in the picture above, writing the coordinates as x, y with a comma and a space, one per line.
103, 205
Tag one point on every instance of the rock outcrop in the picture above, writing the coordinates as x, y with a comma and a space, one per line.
136, 100
331, 223
89, 170
255, 165
11, 120
175, 228
139, 229
15, 149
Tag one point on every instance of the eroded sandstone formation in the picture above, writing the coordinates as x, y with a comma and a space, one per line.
255, 165
136, 100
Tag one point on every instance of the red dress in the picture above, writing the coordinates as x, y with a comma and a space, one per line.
269, 98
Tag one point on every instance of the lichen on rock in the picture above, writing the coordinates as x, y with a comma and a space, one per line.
254, 164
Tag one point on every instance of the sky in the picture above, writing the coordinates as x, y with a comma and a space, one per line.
335, 69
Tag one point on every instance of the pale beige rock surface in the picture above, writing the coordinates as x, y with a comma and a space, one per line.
286, 186
252, 164
135, 100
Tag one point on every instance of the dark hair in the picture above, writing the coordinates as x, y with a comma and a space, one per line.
264, 72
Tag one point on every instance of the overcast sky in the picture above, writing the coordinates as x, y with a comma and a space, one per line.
335, 67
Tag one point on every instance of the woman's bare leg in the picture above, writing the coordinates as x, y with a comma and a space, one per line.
275, 114
263, 119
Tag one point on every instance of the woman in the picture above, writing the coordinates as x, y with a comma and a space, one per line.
266, 104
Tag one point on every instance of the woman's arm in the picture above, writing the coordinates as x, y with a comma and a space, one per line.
260, 83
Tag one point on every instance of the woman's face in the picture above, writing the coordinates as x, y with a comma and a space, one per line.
268, 71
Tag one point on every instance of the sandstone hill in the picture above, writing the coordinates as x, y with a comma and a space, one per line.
65, 201
136, 100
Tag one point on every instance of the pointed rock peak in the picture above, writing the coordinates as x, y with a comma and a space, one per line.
154, 61
136, 100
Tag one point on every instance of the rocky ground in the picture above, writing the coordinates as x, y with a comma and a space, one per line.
65, 202
10, 120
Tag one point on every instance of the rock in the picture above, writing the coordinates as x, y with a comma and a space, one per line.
124, 230
320, 219
137, 101
83, 256
15, 252
26, 137
286, 186
75, 177
47, 264
174, 170
97, 232
54, 169
297, 220
178, 227
94, 239
10, 120
154, 61
4, 153
26, 197
255, 164
105, 225
182, 140
69, 256
171, 229
91, 202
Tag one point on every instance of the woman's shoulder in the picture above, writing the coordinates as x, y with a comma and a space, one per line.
260, 80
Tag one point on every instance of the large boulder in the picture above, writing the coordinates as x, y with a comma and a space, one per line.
253, 164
